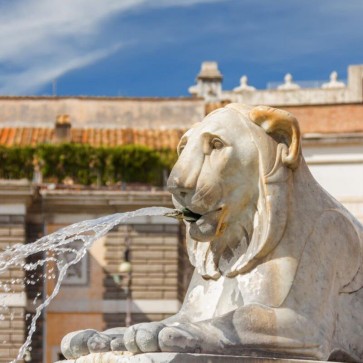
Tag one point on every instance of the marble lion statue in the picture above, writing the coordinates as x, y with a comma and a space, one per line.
278, 261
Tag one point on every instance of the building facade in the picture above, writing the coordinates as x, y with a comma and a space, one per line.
95, 292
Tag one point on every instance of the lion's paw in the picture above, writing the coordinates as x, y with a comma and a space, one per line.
74, 344
180, 339
143, 338
99, 343
83, 342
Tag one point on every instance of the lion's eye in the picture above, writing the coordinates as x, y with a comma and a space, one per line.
180, 149
217, 144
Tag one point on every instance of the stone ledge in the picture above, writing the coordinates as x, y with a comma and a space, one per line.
125, 357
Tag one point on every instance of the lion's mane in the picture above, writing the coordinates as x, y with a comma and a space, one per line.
270, 217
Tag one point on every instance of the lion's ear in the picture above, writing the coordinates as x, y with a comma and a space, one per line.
283, 127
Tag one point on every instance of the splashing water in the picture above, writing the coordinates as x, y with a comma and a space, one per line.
57, 246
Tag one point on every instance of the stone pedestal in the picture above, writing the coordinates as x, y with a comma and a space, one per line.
125, 357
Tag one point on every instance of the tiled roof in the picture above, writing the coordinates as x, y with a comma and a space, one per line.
31, 136
324, 119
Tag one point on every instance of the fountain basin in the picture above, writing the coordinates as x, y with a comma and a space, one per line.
125, 357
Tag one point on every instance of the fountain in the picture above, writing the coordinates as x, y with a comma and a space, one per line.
278, 261
56, 245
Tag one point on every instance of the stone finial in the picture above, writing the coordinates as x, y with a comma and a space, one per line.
209, 82
62, 129
333, 83
209, 71
289, 84
63, 120
244, 86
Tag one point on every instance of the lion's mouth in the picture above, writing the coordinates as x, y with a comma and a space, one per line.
185, 214
202, 227
207, 226
190, 216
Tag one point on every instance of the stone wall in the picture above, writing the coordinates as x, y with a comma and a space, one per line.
35, 292
93, 112
343, 118
12, 288
321, 119
154, 256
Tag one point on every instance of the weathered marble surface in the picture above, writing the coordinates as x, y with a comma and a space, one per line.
278, 261
115, 357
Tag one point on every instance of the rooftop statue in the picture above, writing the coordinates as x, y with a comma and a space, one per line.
244, 86
288, 83
278, 261
333, 83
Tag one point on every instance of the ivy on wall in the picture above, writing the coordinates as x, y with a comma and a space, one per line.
87, 165
16, 162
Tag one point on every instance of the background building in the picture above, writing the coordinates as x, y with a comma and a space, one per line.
331, 120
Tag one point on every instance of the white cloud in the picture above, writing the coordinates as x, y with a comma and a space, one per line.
43, 39
34, 77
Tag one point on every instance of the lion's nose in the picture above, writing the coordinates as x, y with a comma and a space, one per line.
182, 193
183, 179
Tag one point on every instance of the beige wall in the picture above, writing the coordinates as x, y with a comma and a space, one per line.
101, 112
338, 168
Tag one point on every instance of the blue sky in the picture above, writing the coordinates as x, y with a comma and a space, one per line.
155, 47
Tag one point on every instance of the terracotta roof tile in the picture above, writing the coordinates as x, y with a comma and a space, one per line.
34, 137
111, 137
83, 136
17, 137
11, 136
4, 136
41, 134
31, 136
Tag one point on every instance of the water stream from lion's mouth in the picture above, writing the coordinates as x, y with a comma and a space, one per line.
58, 249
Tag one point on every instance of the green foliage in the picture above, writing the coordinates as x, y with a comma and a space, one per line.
77, 162
16, 162
87, 165
134, 164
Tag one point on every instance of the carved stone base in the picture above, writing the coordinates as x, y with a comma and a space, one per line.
125, 357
